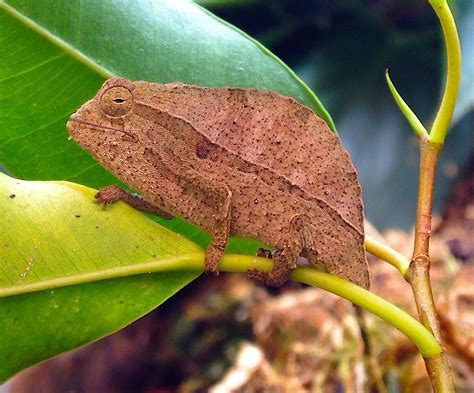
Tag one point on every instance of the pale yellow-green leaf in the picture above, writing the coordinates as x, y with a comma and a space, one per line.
61, 259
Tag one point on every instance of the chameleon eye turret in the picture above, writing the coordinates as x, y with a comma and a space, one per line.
116, 101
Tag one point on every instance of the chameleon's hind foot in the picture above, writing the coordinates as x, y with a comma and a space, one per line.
263, 253
257, 276
284, 261
273, 279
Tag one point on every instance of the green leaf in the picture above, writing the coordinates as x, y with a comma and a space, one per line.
52, 234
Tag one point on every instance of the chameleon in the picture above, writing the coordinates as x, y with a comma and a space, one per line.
233, 162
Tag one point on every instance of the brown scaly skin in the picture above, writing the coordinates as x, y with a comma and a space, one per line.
232, 161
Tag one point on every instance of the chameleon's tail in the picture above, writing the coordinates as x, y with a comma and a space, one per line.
341, 255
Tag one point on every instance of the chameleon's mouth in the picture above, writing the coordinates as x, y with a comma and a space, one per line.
132, 136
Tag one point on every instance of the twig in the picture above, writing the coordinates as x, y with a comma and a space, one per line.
370, 360
387, 254
418, 274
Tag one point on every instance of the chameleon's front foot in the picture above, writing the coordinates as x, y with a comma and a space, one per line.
109, 194
211, 260
211, 272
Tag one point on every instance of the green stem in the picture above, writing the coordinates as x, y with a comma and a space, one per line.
387, 254
390, 313
453, 55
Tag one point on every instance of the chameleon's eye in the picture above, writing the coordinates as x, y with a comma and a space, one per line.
116, 101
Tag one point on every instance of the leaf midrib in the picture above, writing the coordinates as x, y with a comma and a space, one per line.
185, 262
66, 47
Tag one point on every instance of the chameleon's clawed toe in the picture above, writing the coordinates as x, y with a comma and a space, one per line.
109, 194
263, 253
257, 276
211, 272
271, 279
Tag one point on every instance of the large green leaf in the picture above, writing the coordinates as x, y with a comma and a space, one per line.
54, 56
53, 235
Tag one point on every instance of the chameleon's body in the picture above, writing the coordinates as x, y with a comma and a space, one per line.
233, 162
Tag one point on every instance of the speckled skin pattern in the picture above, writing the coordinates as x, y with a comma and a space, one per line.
232, 161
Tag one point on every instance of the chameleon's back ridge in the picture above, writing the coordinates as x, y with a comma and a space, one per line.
273, 131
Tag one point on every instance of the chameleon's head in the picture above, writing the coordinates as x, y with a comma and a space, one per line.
106, 119
109, 127
112, 127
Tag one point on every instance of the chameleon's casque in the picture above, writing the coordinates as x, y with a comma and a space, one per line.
231, 161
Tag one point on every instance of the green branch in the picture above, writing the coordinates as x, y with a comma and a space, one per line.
387, 254
453, 56
390, 313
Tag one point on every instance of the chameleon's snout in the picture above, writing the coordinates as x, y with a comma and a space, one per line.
70, 127
74, 126
84, 130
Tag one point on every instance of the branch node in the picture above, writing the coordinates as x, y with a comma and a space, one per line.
421, 261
